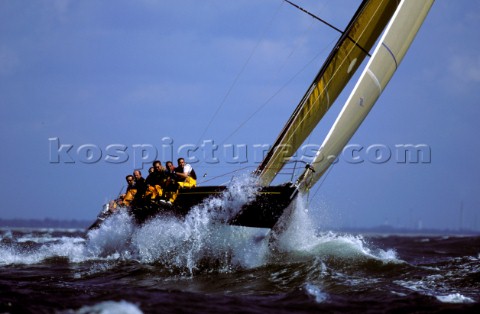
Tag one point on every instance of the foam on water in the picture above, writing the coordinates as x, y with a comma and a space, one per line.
186, 243
316, 292
455, 298
166, 240
299, 235
28, 253
199, 238
435, 286
110, 307
112, 237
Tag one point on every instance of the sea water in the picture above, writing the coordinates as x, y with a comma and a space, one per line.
199, 264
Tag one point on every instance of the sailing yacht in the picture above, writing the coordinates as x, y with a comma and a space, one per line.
399, 21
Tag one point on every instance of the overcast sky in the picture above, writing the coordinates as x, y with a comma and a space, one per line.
91, 89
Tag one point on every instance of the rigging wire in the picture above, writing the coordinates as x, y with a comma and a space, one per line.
329, 25
224, 99
295, 48
281, 88
225, 174
273, 96
315, 17
324, 178
290, 80
326, 84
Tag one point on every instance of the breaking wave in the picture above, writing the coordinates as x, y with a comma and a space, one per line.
200, 241
300, 236
122, 307
295, 259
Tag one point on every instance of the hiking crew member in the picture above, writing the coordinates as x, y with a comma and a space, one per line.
156, 181
163, 184
127, 198
171, 182
140, 186
181, 177
187, 177
130, 182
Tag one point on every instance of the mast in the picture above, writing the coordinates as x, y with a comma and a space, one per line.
384, 62
360, 35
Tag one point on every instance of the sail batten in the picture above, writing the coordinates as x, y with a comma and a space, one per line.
362, 31
384, 62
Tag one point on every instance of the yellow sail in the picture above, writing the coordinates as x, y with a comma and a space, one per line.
349, 52
384, 62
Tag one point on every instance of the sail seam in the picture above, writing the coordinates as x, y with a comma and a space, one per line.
391, 53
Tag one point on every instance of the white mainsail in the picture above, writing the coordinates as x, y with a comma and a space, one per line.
353, 46
385, 60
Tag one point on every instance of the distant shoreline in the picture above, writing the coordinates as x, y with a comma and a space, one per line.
45, 223
389, 230
83, 224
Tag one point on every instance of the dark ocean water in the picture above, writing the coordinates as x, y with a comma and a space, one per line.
200, 266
